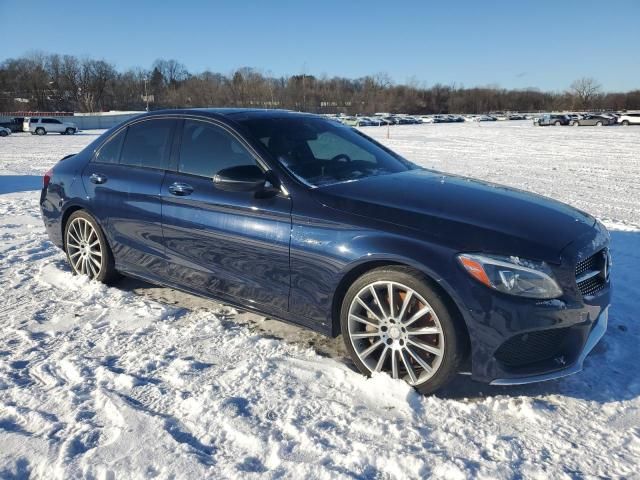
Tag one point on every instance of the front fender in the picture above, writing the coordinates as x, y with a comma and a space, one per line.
325, 260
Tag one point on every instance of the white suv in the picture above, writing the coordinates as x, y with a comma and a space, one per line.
44, 125
629, 118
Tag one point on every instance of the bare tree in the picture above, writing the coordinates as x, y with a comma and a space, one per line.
39, 81
585, 90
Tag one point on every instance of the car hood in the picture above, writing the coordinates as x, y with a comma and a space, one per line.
463, 213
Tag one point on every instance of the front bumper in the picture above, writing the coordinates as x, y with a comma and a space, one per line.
517, 340
597, 332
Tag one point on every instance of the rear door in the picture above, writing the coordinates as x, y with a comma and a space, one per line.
123, 182
52, 125
226, 244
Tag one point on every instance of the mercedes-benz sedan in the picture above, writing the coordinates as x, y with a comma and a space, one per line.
296, 217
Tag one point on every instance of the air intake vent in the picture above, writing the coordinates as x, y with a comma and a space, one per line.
592, 274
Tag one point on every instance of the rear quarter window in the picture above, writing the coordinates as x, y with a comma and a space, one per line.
109, 152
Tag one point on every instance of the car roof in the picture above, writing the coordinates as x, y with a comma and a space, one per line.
236, 114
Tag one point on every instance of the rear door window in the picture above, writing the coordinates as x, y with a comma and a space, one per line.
148, 144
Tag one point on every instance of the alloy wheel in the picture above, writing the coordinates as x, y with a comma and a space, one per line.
83, 247
393, 329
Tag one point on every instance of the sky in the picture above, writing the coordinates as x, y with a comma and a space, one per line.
511, 44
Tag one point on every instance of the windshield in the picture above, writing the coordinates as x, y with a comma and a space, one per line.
320, 152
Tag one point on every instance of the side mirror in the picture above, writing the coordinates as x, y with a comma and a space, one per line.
245, 178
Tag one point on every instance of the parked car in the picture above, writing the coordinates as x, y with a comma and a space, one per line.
402, 120
551, 119
44, 125
516, 116
440, 119
380, 121
629, 118
296, 217
4, 132
364, 122
593, 120
14, 124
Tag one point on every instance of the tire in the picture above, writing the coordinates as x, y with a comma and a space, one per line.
625, 123
557, 123
40, 131
70, 131
83, 237
395, 335
576, 124
598, 123
3, 134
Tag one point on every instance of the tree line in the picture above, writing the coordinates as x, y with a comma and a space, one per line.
50, 82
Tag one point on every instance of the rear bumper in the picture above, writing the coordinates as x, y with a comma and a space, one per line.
597, 332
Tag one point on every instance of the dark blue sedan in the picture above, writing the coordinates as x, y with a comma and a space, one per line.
307, 220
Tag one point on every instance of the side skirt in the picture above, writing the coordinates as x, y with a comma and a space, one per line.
279, 315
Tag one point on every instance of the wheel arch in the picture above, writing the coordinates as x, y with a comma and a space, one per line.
360, 268
74, 207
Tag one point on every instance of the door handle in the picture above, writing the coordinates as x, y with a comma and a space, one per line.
97, 178
180, 189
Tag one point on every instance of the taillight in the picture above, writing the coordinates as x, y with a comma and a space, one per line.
47, 178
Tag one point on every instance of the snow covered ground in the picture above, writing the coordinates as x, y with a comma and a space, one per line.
136, 381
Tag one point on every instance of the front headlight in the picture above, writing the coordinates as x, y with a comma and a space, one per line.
512, 275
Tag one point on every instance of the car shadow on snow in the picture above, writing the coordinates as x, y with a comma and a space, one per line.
19, 183
609, 371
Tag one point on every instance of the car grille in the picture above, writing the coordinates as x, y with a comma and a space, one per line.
531, 347
592, 273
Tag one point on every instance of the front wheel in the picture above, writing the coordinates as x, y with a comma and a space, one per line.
87, 250
625, 123
70, 131
3, 133
392, 321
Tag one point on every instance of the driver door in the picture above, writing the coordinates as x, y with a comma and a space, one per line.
227, 244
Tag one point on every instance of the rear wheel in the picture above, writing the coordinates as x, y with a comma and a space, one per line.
41, 131
87, 250
3, 133
625, 123
70, 131
598, 123
575, 124
392, 321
